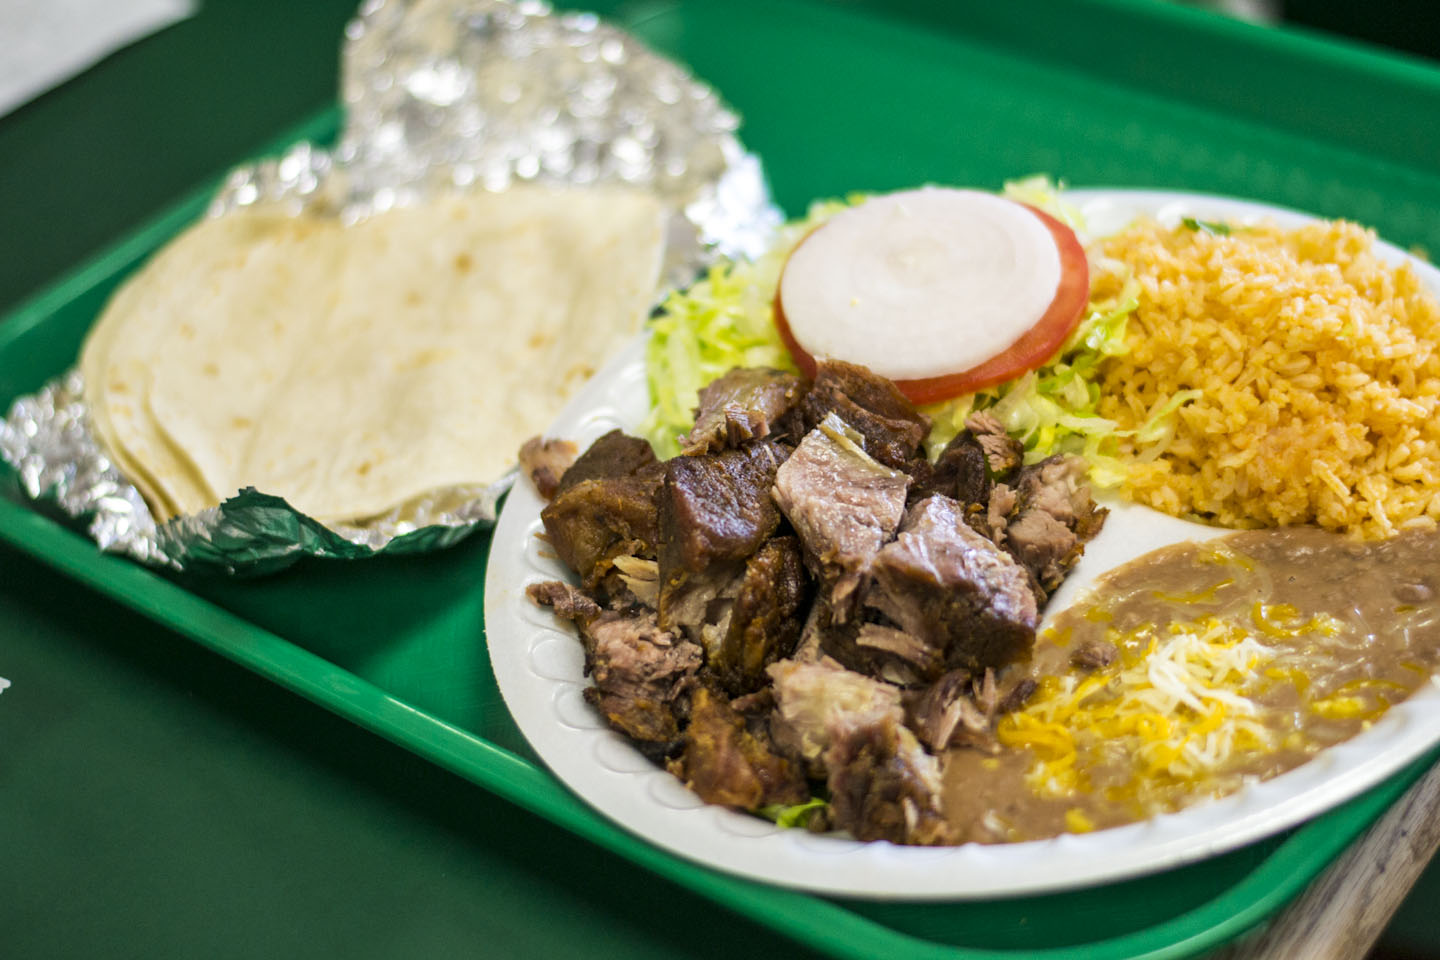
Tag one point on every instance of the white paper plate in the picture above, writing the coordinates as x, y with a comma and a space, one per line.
538, 660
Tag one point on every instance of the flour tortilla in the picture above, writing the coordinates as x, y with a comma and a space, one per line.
190, 279
349, 369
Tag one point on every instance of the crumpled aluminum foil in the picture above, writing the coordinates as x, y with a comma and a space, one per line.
439, 95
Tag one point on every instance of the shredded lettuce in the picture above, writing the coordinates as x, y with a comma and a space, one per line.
1045, 194
726, 319
1054, 409
793, 815
1207, 226
1152, 438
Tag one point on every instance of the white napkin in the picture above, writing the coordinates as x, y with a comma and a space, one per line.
44, 42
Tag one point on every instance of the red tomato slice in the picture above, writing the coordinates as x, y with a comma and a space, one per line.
1033, 349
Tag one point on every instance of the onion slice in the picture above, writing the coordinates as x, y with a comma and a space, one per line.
944, 291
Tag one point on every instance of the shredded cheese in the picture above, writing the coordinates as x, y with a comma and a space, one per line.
1181, 710
1180, 704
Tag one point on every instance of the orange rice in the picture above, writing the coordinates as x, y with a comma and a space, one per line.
1318, 369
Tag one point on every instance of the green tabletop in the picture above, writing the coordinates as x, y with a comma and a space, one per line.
159, 801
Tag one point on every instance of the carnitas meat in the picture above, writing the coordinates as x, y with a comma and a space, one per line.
545, 462
884, 786
843, 504
748, 403
1053, 518
714, 512
802, 603
726, 762
814, 699
953, 590
604, 508
641, 674
892, 428
764, 621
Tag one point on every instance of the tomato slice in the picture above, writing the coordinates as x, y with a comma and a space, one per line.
1032, 350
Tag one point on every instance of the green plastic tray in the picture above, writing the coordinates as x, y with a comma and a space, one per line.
840, 97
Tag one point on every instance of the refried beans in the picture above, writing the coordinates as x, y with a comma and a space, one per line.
1197, 668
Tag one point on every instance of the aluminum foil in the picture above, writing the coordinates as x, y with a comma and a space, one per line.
439, 95
479, 94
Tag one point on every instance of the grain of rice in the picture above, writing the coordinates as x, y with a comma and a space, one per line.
1317, 366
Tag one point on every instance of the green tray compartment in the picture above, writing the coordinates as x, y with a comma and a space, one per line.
839, 97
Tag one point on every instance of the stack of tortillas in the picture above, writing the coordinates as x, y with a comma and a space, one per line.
350, 369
